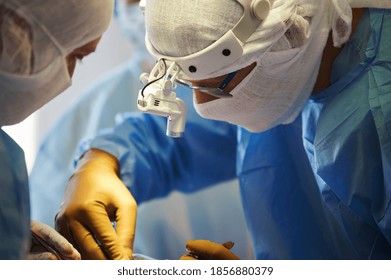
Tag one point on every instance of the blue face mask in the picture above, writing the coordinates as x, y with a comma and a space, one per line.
132, 24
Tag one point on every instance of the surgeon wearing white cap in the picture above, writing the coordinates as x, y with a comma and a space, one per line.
107, 104
40, 42
307, 84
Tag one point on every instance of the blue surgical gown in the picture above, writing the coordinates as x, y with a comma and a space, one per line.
95, 109
318, 188
14, 201
159, 235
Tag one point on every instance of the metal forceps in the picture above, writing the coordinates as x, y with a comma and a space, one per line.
49, 248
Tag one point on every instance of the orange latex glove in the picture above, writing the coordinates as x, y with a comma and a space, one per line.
95, 197
208, 250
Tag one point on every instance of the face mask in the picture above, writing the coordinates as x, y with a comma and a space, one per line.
33, 56
132, 24
277, 88
21, 95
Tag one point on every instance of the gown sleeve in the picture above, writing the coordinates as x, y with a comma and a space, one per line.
153, 164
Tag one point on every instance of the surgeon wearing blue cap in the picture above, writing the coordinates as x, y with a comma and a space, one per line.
307, 84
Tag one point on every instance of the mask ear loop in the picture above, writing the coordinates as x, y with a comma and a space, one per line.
216, 92
227, 80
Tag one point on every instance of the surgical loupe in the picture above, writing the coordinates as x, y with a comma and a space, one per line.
158, 96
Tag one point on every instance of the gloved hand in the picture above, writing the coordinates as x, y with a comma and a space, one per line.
48, 244
208, 250
95, 197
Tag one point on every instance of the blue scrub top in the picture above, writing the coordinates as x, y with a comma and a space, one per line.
14, 201
329, 200
353, 137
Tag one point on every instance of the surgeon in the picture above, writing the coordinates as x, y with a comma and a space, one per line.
308, 85
112, 97
94, 109
40, 42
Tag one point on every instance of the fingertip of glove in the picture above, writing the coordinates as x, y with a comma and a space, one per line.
229, 244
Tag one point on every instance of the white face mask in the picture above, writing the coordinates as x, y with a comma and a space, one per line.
276, 89
21, 95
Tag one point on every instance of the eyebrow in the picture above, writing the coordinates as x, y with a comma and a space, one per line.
89, 49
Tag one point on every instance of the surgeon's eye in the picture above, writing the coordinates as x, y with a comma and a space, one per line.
80, 58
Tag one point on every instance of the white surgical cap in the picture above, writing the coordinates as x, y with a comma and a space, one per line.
35, 38
179, 28
49, 29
